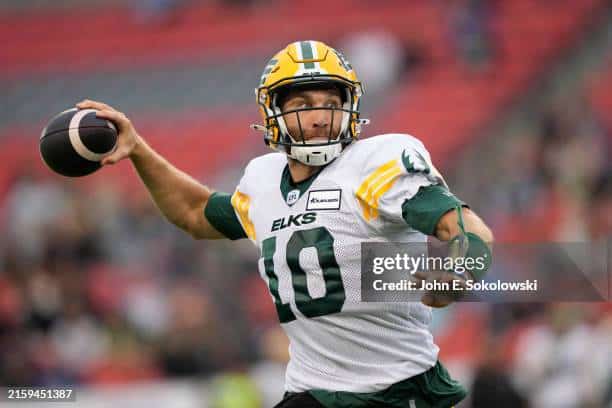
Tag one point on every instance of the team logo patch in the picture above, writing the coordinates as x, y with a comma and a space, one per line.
324, 200
293, 196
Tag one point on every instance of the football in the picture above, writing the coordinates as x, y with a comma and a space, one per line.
75, 141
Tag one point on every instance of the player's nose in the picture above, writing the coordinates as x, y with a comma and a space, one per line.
320, 118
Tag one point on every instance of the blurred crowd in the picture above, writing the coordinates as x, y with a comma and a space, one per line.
552, 178
548, 181
96, 291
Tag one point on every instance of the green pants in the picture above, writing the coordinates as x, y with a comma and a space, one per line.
432, 389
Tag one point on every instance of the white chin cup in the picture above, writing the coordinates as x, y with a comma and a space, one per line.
315, 155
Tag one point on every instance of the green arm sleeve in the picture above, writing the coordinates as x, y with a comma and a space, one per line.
220, 214
423, 211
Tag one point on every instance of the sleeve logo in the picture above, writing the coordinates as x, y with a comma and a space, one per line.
415, 163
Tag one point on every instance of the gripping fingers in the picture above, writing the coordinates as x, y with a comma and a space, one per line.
117, 117
89, 104
126, 132
106, 111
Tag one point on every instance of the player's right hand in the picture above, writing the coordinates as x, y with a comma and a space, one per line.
439, 299
127, 139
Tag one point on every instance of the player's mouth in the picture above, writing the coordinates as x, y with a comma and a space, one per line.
316, 140
319, 138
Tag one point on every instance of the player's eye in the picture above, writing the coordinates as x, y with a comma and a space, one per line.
295, 103
332, 103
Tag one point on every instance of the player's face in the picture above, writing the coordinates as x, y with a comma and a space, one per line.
317, 124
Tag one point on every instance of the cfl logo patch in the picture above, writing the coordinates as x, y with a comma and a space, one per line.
293, 196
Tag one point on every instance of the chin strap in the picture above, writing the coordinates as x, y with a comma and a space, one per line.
468, 245
460, 218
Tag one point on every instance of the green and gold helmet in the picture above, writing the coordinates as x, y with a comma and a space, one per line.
309, 64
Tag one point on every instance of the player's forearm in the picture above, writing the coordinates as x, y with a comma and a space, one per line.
179, 197
448, 226
477, 226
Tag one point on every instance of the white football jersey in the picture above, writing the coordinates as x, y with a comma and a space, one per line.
310, 259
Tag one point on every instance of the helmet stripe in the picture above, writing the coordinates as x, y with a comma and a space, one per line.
307, 54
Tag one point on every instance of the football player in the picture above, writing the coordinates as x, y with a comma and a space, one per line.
307, 207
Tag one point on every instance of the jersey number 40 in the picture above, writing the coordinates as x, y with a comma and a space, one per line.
322, 241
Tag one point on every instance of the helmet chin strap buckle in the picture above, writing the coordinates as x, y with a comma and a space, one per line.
259, 128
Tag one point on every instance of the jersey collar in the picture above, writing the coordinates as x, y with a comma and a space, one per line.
292, 191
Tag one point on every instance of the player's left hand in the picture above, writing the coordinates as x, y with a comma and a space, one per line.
441, 298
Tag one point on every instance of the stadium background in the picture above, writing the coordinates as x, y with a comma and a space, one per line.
513, 98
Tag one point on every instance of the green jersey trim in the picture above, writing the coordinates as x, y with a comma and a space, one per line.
220, 214
287, 184
432, 389
423, 211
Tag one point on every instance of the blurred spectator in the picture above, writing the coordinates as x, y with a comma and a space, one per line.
235, 391
377, 56
160, 12
557, 361
492, 386
30, 208
269, 372
600, 207
146, 308
78, 339
45, 299
194, 343
471, 32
